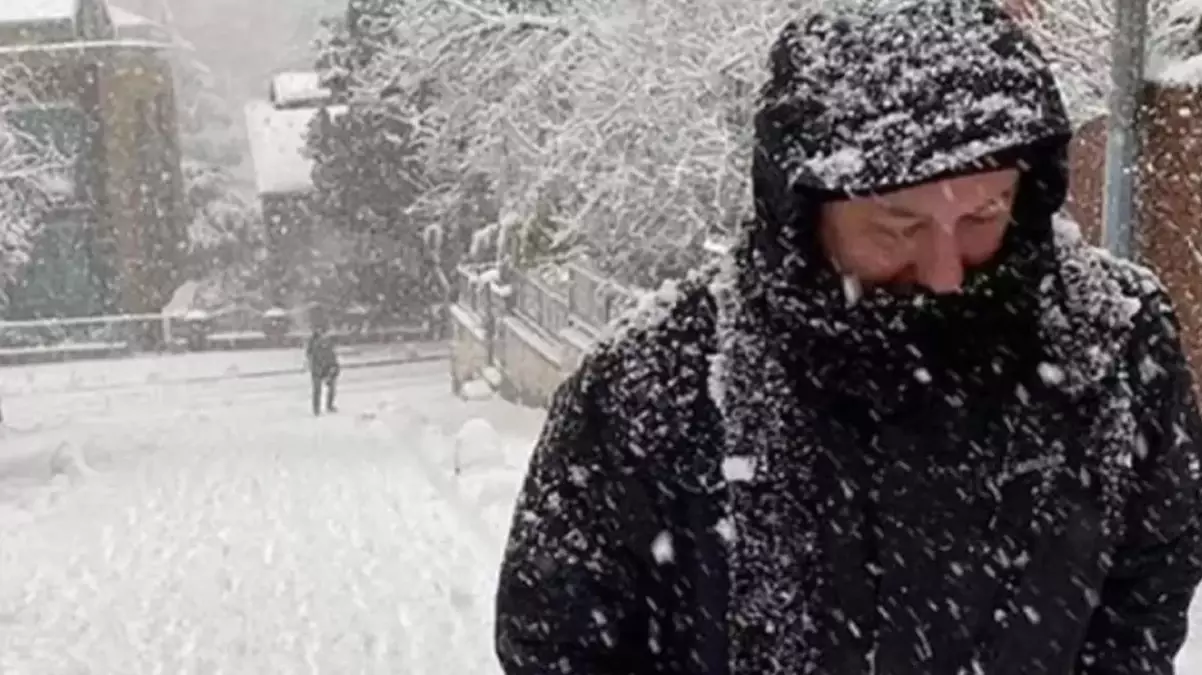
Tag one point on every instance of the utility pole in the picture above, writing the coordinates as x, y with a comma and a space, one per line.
1119, 214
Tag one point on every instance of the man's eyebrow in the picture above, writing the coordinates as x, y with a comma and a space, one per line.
899, 211
1003, 197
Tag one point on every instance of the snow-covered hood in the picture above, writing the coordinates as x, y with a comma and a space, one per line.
898, 94
907, 96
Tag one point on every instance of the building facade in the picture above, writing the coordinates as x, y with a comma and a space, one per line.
95, 84
299, 246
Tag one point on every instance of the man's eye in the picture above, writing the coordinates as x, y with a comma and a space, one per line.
983, 219
992, 211
885, 233
892, 234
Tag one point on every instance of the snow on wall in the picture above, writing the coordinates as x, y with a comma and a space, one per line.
1186, 72
277, 147
25, 11
289, 89
1172, 58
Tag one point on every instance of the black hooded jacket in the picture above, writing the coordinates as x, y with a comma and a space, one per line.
758, 476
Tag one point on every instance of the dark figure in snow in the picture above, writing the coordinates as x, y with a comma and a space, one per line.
323, 368
914, 425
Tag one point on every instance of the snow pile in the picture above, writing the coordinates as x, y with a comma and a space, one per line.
492, 474
476, 390
68, 460
477, 445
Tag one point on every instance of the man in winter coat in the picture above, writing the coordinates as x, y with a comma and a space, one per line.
323, 368
913, 426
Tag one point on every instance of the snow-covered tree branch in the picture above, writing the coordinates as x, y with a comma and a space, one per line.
1077, 36
33, 175
620, 129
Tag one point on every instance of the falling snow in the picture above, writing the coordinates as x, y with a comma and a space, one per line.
250, 169
182, 524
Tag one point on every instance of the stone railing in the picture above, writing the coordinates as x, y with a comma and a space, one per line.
76, 338
524, 334
535, 302
597, 301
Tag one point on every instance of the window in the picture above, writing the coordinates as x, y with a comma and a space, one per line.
61, 279
48, 138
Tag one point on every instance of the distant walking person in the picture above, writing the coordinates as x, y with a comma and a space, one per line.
323, 367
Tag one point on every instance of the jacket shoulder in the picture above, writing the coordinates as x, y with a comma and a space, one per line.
662, 344
1083, 259
645, 385
1104, 308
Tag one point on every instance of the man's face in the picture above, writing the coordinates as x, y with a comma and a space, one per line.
927, 236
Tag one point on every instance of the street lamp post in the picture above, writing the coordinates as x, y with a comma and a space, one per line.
1123, 138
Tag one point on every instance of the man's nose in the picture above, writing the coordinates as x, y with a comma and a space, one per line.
940, 268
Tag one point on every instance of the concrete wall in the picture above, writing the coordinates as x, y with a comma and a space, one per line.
532, 360
469, 346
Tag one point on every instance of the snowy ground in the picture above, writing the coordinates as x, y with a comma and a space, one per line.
205, 527
80, 376
157, 519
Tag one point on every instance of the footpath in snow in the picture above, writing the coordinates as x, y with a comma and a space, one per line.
185, 524
218, 527
194, 367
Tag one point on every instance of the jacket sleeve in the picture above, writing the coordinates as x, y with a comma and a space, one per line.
1143, 617
565, 602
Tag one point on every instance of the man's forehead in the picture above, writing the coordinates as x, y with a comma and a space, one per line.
981, 188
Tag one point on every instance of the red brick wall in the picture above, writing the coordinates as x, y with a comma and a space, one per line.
1169, 198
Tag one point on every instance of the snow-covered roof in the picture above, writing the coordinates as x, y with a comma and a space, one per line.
297, 88
277, 145
28, 11
133, 26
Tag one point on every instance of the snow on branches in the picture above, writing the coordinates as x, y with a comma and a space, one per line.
621, 129
618, 128
1077, 35
34, 174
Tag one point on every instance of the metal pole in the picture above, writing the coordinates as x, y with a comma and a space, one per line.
1122, 138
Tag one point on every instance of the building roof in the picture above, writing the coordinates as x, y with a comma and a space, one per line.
48, 24
277, 147
292, 89
36, 11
